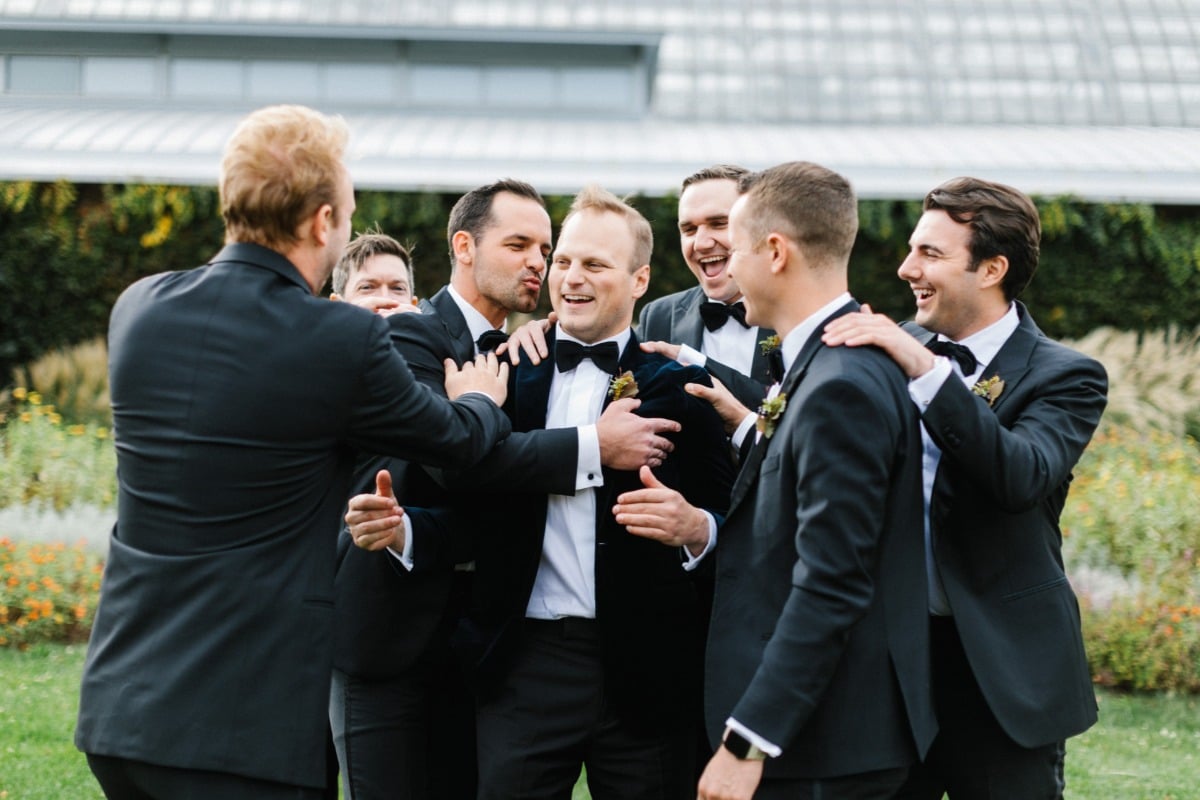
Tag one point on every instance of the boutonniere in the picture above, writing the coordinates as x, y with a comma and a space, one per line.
769, 413
623, 385
768, 344
990, 389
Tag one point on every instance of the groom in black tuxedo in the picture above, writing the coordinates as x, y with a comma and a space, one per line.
583, 639
1006, 414
403, 718
817, 670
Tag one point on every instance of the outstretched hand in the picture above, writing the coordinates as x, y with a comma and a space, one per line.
728, 408
660, 513
487, 374
376, 520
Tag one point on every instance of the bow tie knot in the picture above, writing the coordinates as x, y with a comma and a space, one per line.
955, 352
715, 315
490, 340
605, 355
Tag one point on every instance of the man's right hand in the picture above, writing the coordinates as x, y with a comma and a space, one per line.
487, 375
628, 442
376, 520
728, 407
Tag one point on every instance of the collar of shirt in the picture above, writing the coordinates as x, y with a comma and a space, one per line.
985, 344
800, 334
477, 323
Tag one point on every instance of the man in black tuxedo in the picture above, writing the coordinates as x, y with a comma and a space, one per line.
583, 639
403, 719
706, 325
816, 679
1006, 414
238, 399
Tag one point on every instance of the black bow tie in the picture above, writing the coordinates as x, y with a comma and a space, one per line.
715, 315
490, 340
567, 355
775, 365
956, 352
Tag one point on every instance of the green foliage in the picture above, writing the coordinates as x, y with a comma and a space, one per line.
48, 592
49, 464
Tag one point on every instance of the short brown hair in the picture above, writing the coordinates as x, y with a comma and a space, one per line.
811, 205
1003, 222
594, 198
369, 243
473, 211
717, 172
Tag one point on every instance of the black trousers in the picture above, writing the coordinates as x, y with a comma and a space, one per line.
879, 785
411, 736
972, 757
553, 716
124, 779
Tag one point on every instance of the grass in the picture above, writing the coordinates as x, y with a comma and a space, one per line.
1146, 747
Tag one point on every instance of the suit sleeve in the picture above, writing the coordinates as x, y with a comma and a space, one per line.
1021, 463
748, 391
396, 415
840, 485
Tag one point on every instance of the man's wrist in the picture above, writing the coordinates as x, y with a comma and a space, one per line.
742, 748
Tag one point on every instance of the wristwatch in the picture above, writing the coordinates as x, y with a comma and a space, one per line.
741, 747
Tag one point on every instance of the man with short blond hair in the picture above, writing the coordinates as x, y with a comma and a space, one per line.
239, 396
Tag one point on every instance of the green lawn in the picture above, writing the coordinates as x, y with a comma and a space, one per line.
1145, 747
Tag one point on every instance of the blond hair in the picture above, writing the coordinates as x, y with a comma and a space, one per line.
594, 198
281, 164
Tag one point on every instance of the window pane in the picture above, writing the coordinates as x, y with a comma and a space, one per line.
206, 77
44, 75
125, 77
525, 87
445, 84
283, 80
360, 83
600, 88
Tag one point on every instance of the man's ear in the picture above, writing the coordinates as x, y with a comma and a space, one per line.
641, 280
320, 224
463, 244
991, 271
778, 247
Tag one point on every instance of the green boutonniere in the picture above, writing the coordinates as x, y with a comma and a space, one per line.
990, 389
623, 385
768, 344
769, 413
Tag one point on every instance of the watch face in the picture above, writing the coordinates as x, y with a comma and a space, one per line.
737, 744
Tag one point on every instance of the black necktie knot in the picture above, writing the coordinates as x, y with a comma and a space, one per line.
490, 340
715, 315
956, 352
605, 355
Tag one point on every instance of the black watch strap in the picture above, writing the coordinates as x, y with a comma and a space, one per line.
741, 747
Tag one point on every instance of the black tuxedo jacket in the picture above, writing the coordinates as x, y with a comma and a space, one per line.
819, 636
999, 490
676, 319
647, 605
238, 402
387, 617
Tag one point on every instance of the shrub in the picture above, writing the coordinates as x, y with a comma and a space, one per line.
75, 381
48, 463
48, 592
1143, 645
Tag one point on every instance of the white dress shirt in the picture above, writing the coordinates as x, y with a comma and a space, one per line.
983, 345
730, 344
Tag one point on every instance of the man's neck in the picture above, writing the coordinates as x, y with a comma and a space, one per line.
467, 290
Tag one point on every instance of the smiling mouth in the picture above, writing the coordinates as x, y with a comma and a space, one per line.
922, 294
576, 299
712, 266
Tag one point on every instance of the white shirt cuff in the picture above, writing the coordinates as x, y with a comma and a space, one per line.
691, 357
588, 474
405, 556
743, 430
773, 750
691, 561
922, 390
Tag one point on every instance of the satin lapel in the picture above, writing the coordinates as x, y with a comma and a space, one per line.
631, 359
1011, 364
531, 391
689, 329
456, 325
759, 370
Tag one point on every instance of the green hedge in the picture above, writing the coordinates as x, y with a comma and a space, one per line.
68, 250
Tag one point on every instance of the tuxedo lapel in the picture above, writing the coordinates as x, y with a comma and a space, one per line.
795, 374
1012, 362
531, 391
455, 323
690, 327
